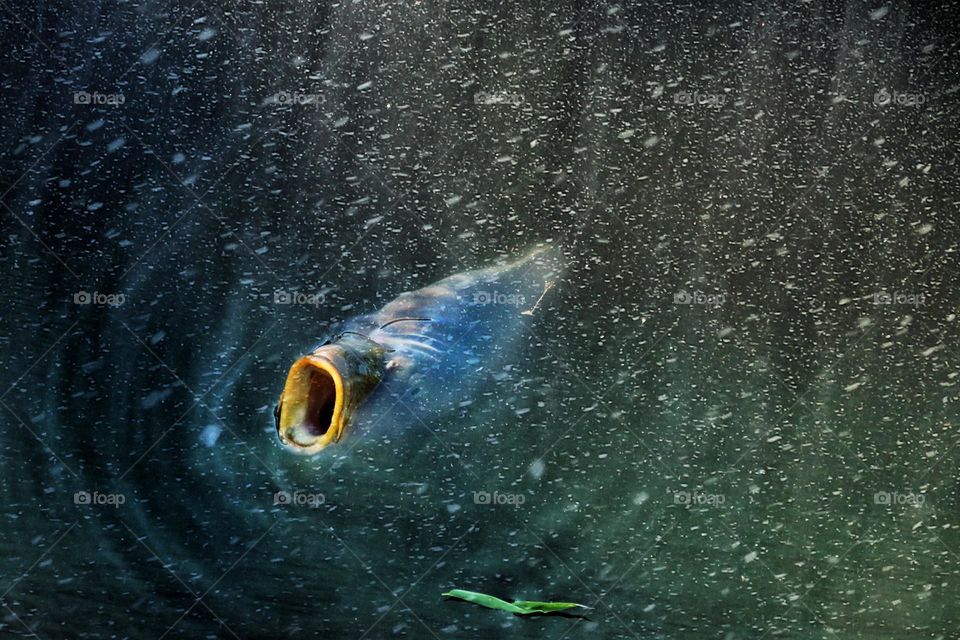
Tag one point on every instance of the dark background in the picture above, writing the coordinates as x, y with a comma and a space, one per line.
741, 151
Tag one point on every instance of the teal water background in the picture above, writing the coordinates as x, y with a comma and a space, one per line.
734, 418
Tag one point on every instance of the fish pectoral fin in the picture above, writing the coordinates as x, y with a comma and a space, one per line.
397, 362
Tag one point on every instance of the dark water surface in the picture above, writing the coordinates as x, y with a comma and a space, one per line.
735, 417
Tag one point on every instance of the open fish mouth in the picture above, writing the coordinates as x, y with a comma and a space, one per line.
324, 389
310, 412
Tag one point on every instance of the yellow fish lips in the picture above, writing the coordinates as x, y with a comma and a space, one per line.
322, 391
310, 411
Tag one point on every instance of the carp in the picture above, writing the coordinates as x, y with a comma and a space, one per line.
431, 347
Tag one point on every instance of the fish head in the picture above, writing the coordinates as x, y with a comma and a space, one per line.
324, 389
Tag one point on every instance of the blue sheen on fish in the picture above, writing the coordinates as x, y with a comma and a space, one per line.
429, 348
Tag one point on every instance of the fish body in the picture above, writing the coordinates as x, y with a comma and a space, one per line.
428, 347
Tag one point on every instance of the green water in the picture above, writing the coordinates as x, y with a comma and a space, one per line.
734, 417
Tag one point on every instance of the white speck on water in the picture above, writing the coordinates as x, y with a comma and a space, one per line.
879, 14
210, 434
537, 467
932, 350
149, 56
155, 397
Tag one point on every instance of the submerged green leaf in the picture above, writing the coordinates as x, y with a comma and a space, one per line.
484, 600
531, 606
518, 607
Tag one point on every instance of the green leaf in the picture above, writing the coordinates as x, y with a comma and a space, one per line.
518, 607
484, 600
531, 606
